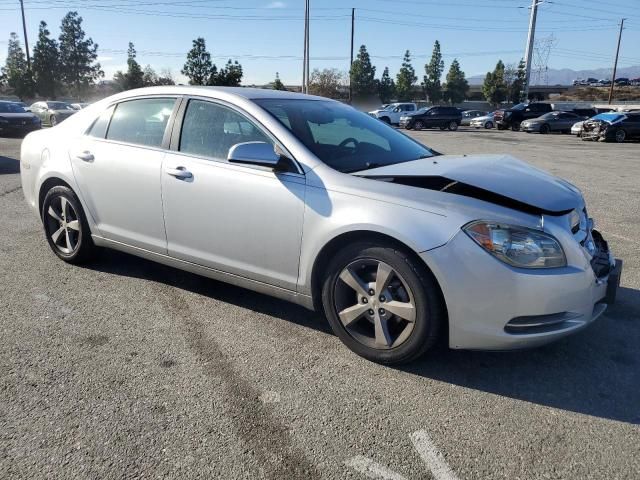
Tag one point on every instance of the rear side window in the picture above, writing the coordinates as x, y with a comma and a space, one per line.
99, 127
141, 122
210, 130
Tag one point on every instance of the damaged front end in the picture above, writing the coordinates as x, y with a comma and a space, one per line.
595, 130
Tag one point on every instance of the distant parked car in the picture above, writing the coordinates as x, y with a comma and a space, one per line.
468, 115
514, 116
442, 117
16, 120
622, 82
392, 112
79, 106
483, 122
52, 113
551, 122
612, 126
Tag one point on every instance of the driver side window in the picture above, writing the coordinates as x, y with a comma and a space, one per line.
210, 130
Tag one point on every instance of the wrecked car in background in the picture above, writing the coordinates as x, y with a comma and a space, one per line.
612, 126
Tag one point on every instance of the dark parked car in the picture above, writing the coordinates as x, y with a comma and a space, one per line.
52, 113
612, 126
16, 120
551, 122
514, 116
442, 117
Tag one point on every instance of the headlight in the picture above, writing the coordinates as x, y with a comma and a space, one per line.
517, 246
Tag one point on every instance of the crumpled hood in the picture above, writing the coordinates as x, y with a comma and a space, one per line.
493, 178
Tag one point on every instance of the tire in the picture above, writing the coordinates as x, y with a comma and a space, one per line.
409, 284
71, 239
53, 120
418, 125
515, 127
488, 125
620, 136
453, 126
545, 129
500, 127
386, 120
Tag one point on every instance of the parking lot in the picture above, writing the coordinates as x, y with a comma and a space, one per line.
125, 368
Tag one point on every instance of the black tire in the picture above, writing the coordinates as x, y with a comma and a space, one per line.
418, 125
500, 127
453, 126
429, 311
53, 120
544, 129
488, 125
620, 136
515, 127
386, 120
83, 249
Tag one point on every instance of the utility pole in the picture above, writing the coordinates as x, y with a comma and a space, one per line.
353, 22
308, 36
615, 63
529, 51
304, 54
26, 41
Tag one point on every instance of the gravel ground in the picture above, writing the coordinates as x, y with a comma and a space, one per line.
125, 368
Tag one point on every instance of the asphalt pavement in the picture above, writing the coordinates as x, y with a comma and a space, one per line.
124, 368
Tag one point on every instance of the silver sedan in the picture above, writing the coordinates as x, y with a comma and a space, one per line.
309, 200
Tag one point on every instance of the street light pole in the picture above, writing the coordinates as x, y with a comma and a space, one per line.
615, 63
304, 53
26, 40
530, 42
353, 20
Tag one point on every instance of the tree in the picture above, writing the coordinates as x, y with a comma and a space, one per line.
494, 87
165, 77
514, 80
135, 75
78, 66
328, 82
228, 76
15, 70
433, 74
455, 89
277, 83
386, 87
198, 66
45, 64
405, 79
149, 76
363, 75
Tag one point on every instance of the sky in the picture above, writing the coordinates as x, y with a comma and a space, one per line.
266, 36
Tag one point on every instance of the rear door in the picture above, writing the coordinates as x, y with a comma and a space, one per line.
118, 165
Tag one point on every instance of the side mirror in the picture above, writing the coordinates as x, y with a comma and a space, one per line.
261, 154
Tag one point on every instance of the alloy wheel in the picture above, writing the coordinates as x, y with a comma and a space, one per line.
53, 120
620, 136
63, 225
418, 125
453, 126
374, 304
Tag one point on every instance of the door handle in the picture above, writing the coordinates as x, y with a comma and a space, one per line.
86, 156
179, 172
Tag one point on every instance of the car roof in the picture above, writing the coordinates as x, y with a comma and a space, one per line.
220, 92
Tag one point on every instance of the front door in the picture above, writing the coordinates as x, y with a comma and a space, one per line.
117, 166
238, 219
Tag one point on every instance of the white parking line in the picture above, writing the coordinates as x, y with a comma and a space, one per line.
431, 456
371, 469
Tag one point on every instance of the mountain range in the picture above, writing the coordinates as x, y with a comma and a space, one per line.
566, 76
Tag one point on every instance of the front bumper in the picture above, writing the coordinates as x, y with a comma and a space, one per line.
492, 306
530, 127
18, 128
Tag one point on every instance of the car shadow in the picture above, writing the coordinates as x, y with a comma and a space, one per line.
9, 165
595, 372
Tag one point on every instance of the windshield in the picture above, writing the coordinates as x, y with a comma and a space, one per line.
6, 107
520, 106
608, 117
59, 106
342, 137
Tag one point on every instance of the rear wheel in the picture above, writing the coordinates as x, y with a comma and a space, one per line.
381, 303
418, 125
515, 127
66, 226
453, 126
620, 136
544, 129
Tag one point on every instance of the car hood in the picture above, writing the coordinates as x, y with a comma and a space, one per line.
499, 179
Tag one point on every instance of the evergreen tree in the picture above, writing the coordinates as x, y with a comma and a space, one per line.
15, 71
149, 76
78, 67
494, 87
456, 88
165, 77
198, 66
134, 76
45, 64
228, 76
515, 82
433, 73
277, 83
405, 79
362, 75
386, 87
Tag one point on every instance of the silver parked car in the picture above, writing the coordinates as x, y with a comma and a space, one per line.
551, 122
309, 200
469, 115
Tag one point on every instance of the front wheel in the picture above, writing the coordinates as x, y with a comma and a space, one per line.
488, 125
515, 127
383, 304
621, 136
453, 126
544, 129
66, 226
53, 120
418, 125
